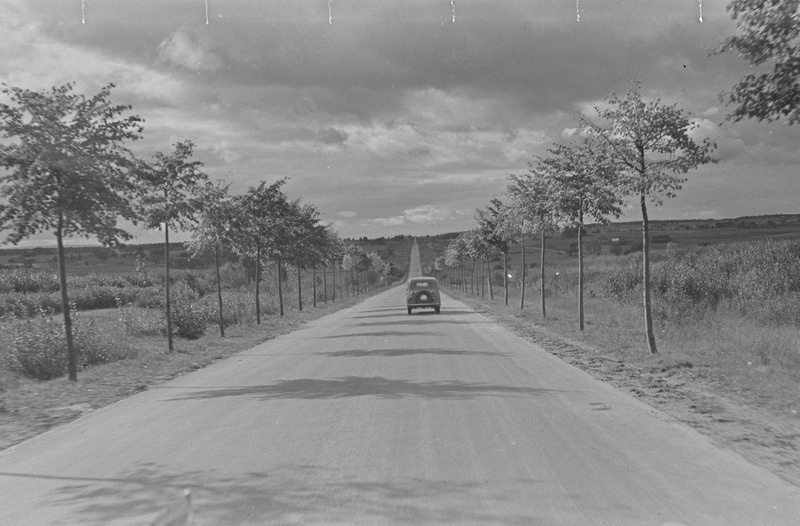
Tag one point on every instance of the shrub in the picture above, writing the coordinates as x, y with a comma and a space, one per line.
26, 281
100, 297
20, 305
151, 298
190, 317
201, 283
36, 347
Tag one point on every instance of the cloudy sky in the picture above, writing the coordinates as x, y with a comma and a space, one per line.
400, 116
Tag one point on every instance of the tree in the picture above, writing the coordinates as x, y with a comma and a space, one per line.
255, 226
454, 258
582, 181
650, 143
210, 234
67, 171
302, 235
532, 207
494, 232
171, 189
770, 34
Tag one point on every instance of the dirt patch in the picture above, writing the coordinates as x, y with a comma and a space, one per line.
689, 392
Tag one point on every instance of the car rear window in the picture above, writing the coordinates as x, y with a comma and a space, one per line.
421, 284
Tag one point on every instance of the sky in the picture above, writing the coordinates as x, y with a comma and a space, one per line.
401, 116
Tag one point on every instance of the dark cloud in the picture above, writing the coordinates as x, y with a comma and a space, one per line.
332, 136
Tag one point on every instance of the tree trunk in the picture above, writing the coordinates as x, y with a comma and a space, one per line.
314, 286
72, 362
258, 282
505, 278
219, 293
544, 311
522, 273
489, 280
648, 312
325, 283
280, 288
299, 291
166, 286
472, 279
483, 276
580, 275
333, 292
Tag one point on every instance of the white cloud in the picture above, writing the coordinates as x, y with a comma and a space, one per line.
349, 214
181, 50
422, 215
33, 60
223, 150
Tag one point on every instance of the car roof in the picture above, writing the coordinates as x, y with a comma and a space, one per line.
422, 279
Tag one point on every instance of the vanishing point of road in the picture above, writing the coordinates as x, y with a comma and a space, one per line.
372, 416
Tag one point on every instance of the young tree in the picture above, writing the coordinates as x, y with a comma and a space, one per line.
770, 34
494, 232
301, 226
67, 171
582, 181
172, 183
651, 145
454, 259
210, 234
531, 204
257, 227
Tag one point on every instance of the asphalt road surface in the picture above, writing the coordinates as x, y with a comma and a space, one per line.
372, 416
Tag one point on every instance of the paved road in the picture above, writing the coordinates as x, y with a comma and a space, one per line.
414, 266
371, 416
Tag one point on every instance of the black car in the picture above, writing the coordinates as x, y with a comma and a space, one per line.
423, 293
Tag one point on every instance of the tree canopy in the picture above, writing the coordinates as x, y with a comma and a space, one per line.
769, 35
68, 166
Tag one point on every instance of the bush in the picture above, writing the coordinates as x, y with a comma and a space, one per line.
151, 298
99, 297
190, 317
25, 281
36, 347
18, 305
201, 283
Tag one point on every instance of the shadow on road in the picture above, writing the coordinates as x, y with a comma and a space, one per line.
402, 312
419, 319
392, 353
350, 386
286, 494
381, 333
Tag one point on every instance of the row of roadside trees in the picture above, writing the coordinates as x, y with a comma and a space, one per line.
631, 150
69, 171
